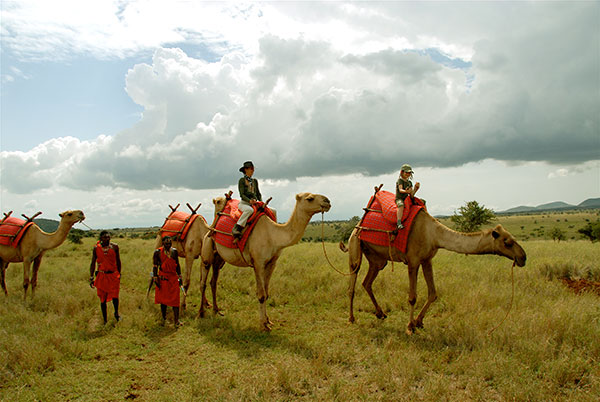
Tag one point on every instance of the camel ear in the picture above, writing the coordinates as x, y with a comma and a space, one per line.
298, 196
495, 234
214, 201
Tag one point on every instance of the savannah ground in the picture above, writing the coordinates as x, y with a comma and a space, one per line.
54, 347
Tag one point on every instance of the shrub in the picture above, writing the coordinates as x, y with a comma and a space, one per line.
472, 216
557, 234
591, 231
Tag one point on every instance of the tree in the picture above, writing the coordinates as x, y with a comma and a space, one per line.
557, 234
75, 236
472, 216
591, 231
346, 230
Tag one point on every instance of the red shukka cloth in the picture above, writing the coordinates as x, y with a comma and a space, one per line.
387, 220
225, 223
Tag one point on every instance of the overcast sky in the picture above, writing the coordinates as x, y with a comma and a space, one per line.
120, 108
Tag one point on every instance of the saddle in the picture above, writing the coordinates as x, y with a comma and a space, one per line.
13, 229
378, 225
178, 223
228, 218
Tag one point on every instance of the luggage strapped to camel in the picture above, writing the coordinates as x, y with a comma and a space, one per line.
13, 229
178, 223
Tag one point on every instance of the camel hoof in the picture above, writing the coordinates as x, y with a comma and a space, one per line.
265, 327
410, 328
351, 319
219, 313
381, 315
201, 314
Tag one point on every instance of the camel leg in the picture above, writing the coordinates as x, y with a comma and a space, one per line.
3, 267
413, 270
269, 268
374, 268
216, 266
189, 261
261, 294
36, 266
354, 259
204, 276
432, 294
26, 266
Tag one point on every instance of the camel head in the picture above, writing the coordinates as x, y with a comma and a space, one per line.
312, 203
505, 244
71, 217
219, 203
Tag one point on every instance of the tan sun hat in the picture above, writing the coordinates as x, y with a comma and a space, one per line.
407, 168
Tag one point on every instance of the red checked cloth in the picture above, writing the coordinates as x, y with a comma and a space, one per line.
178, 224
227, 220
12, 231
386, 220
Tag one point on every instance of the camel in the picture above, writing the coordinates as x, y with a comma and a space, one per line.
427, 236
263, 248
33, 246
192, 246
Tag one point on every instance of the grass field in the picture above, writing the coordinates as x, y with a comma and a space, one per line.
55, 348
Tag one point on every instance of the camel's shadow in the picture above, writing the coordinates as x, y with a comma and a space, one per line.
246, 341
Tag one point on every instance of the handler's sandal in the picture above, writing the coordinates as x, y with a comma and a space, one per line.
400, 226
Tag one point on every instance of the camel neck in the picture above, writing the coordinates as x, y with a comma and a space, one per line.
464, 243
55, 239
292, 231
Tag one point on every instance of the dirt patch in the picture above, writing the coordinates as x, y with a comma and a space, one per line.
582, 285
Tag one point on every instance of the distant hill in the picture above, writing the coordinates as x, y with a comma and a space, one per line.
47, 225
555, 205
590, 203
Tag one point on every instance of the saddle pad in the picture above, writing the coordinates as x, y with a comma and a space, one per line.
12, 231
227, 220
386, 220
177, 225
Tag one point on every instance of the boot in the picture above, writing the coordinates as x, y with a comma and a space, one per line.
237, 231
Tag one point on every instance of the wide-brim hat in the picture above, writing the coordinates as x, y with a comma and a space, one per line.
406, 168
247, 164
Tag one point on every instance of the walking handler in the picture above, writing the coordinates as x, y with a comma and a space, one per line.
108, 275
167, 278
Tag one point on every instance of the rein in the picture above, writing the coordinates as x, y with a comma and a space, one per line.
512, 296
85, 225
325, 251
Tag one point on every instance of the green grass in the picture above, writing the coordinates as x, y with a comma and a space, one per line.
55, 348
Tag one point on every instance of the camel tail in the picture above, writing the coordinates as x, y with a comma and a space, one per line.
343, 247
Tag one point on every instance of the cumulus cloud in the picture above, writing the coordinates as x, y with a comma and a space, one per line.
307, 105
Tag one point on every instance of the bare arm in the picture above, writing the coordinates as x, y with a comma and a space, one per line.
93, 264
155, 262
118, 256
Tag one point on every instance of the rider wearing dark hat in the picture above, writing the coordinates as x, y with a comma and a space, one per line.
249, 194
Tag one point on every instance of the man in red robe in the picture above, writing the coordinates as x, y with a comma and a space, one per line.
167, 278
107, 282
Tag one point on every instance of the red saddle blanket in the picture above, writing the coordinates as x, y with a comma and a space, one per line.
12, 231
227, 220
177, 225
381, 216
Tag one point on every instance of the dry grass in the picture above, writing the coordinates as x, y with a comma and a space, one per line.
55, 348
